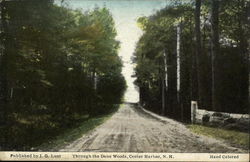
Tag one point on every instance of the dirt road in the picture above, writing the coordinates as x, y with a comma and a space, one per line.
133, 130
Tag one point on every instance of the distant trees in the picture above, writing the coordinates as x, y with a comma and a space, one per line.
212, 51
61, 65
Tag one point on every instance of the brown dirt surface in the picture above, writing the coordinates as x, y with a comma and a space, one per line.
132, 129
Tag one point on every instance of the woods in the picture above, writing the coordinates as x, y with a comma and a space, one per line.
59, 66
203, 48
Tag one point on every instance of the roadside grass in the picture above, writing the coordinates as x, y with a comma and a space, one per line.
74, 133
235, 138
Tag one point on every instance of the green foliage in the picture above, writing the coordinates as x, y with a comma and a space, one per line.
160, 37
232, 60
60, 62
73, 134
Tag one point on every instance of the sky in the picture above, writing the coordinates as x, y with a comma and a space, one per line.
125, 14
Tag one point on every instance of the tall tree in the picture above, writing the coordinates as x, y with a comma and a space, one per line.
215, 54
164, 82
243, 25
178, 62
3, 68
198, 53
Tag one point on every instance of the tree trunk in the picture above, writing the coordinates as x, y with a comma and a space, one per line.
244, 52
178, 60
3, 73
164, 83
215, 52
166, 68
198, 53
163, 104
178, 53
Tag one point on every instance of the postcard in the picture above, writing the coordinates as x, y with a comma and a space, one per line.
124, 80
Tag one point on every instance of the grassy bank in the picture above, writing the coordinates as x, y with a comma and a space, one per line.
74, 133
235, 138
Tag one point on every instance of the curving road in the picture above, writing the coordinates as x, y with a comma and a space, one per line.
132, 129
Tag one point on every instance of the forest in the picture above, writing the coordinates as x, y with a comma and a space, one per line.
59, 66
195, 51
